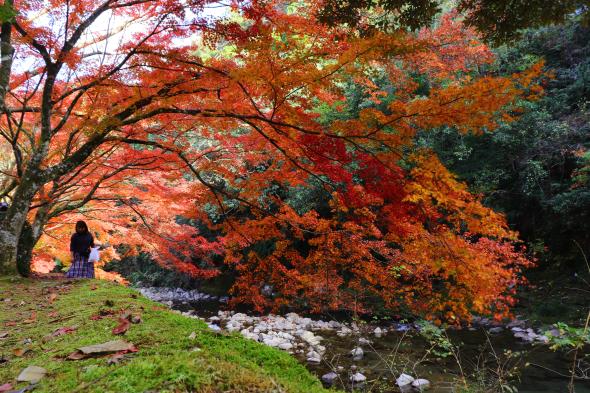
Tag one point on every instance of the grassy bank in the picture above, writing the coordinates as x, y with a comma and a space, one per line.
169, 358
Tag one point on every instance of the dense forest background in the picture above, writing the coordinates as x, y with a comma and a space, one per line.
536, 169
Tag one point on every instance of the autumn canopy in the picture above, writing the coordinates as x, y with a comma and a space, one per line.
227, 143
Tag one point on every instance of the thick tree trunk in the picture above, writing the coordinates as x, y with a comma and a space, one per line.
29, 236
24, 250
8, 245
12, 224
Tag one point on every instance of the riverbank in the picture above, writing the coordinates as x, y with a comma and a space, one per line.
485, 357
52, 324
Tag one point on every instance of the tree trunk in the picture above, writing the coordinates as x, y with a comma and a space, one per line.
12, 224
26, 243
29, 236
8, 244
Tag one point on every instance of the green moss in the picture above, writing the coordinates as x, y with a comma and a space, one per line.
167, 360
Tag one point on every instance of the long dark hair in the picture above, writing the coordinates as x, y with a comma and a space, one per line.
81, 227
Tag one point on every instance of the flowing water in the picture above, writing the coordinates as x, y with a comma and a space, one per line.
539, 369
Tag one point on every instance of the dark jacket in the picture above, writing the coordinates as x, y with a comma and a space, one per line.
81, 243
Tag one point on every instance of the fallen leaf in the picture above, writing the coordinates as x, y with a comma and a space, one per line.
32, 319
115, 359
53, 314
6, 387
52, 297
136, 319
10, 323
108, 347
192, 336
63, 330
76, 355
93, 287
125, 315
3, 334
18, 352
31, 374
104, 349
103, 313
122, 327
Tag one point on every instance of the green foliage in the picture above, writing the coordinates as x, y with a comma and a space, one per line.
536, 168
496, 20
441, 346
569, 337
7, 12
142, 269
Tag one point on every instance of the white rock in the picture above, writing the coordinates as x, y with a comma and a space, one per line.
515, 323
285, 346
292, 316
357, 378
272, 342
544, 339
378, 332
32, 374
310, 338
421, 384
329, 378
344, 331
404, 380
357, 353
314, 357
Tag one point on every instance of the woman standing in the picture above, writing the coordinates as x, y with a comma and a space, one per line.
80, 245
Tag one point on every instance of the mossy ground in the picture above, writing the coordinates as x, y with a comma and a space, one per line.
168, 360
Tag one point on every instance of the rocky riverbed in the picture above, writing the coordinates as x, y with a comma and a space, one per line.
355, 355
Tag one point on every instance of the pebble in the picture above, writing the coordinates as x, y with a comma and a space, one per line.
357, 353
314, 357
357, 378
329, 378
404, 380
421, 384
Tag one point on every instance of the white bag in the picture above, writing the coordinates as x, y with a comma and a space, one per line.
94, 255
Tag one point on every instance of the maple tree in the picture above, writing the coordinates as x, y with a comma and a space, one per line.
135, 134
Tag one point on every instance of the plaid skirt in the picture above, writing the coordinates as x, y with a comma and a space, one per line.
81, 268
